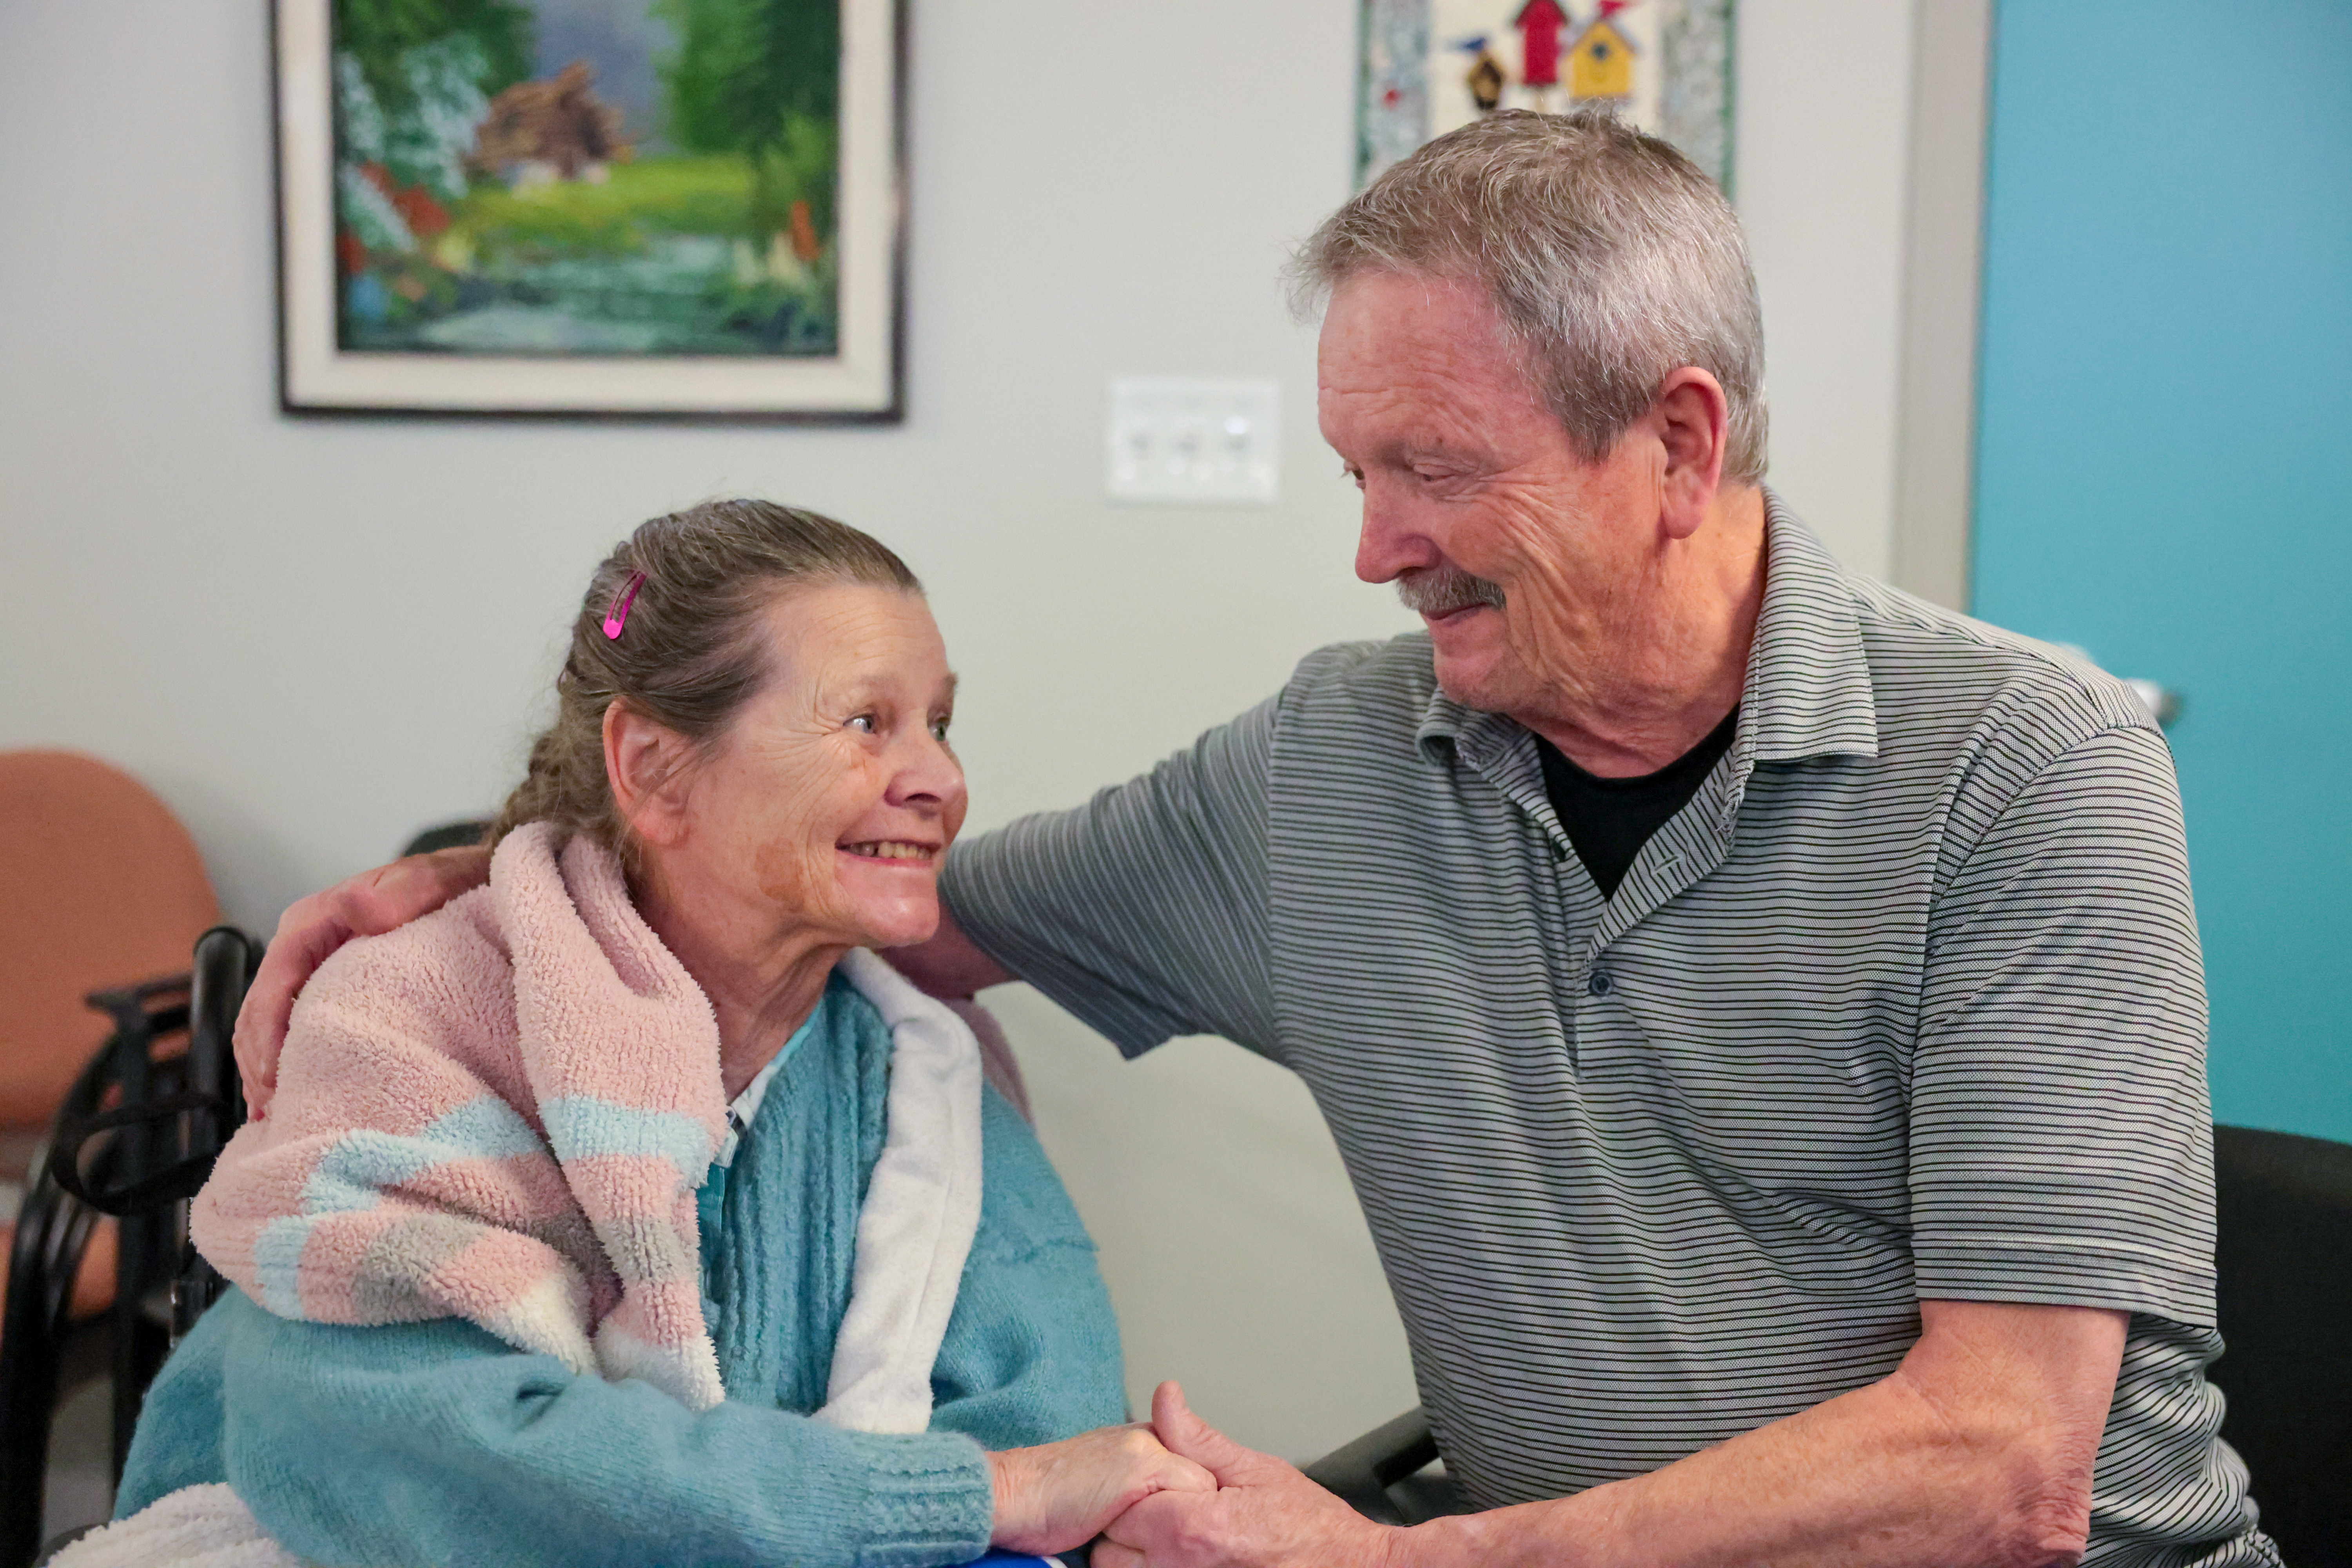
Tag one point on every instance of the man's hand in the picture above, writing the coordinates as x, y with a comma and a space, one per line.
1264, 1513
369, 904
1059, 1496
950, 966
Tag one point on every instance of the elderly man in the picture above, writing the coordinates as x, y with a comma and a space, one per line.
1760, 1013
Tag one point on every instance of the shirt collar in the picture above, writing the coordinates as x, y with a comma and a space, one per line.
1808, 691
746, 1105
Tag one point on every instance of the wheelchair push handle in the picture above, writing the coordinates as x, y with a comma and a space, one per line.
158, 1148
226, 959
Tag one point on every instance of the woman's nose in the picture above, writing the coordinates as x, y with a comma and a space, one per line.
927, 776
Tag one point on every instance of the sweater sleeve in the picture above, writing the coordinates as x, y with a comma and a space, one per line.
1032, 1351
435, 1443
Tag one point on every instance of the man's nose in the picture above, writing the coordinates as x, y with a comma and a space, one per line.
1388, 544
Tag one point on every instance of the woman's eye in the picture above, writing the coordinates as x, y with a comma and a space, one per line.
864, 723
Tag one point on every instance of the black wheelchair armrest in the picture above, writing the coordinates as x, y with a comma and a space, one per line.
1361, 1473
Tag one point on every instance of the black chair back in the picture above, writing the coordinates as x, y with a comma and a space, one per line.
2284, 1267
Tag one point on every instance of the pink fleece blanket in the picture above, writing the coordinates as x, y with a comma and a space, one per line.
500, 1112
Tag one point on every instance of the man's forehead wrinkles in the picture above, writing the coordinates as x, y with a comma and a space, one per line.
1419, 395
1430, 387
1424, 425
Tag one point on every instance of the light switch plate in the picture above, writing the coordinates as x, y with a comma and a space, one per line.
1194, 441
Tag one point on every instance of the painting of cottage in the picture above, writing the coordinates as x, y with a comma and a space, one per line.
586, 177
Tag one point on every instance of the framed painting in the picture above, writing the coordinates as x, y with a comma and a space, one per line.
1428, 65
633, 208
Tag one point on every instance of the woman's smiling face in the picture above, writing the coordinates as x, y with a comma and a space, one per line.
825, 806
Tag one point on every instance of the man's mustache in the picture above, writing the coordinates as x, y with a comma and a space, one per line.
1442, 590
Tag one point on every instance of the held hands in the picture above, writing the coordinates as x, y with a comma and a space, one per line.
1058, 1496
1262, 1514
369, 904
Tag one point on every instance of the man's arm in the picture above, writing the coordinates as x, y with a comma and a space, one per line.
1139, 910
950, 965
1143, 911
312, 929
1977, 1450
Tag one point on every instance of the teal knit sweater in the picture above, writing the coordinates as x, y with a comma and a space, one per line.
435, 1443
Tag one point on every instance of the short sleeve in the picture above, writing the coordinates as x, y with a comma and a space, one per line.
1144, 910
2061, 1135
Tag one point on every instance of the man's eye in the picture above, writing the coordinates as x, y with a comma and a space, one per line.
1352, 474
940, 731
864, 722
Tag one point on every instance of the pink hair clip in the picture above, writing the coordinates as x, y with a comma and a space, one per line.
618, 616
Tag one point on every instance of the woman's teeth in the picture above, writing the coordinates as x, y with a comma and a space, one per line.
890, 849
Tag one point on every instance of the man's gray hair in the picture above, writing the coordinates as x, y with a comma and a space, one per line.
1608, 255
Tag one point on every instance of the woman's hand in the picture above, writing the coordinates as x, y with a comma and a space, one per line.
1058, 1496
369, 904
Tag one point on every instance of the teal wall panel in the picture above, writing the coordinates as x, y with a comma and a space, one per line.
2164, 421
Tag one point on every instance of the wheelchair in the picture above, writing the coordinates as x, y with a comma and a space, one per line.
136, 1136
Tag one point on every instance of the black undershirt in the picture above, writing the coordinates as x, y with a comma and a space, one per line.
1609, 820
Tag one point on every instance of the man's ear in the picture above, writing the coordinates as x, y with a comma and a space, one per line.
647, 765
1693, 424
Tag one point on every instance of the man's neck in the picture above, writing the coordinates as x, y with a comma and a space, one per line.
1676, 663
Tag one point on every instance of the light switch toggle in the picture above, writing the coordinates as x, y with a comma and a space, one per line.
1194, 441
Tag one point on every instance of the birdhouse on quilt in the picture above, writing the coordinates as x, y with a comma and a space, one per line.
1541, 23
1486, 79
1600, 60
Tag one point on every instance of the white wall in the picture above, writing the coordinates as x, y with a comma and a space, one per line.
313, 637
1824, 122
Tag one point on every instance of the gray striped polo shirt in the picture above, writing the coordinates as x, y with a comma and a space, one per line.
1906, 1002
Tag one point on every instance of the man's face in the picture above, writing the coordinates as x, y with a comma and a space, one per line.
1473, 494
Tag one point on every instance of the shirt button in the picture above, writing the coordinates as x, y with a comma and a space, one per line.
1599, 983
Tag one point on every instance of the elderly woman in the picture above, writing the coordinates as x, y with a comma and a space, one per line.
626, 1210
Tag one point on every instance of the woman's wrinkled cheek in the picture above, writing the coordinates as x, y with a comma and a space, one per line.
782, 872
787, 863
792, 861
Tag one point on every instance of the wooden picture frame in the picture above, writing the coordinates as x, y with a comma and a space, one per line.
470, 226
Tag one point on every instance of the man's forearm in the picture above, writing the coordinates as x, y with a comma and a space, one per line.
1939, 1465
1874, 1479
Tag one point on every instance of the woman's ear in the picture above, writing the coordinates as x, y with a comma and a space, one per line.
645, 764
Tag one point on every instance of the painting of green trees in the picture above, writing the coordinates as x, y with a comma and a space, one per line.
620, 177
